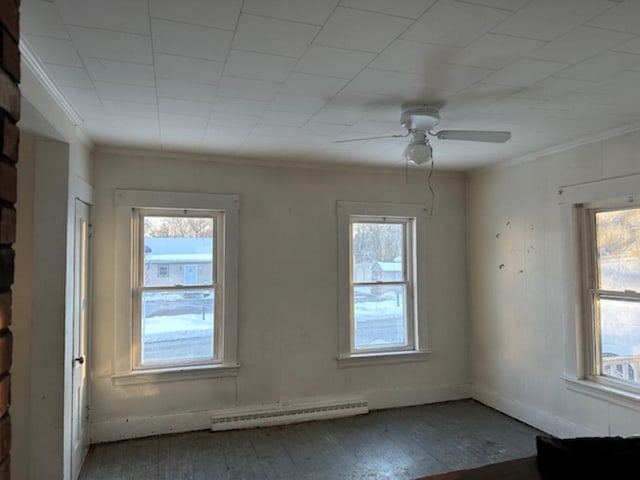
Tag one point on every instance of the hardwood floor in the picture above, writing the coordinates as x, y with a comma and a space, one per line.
394, 444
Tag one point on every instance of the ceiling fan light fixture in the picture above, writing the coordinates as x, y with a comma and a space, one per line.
418, 151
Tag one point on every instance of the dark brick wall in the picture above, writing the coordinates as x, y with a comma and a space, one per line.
9, 139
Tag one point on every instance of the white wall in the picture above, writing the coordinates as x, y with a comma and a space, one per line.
288, 330
51, 172
520, 300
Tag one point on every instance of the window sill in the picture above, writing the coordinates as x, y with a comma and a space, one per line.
608, 393
385, 358
174, 374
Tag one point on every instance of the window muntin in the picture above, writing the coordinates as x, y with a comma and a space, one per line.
176, 317
614, 294
381, 283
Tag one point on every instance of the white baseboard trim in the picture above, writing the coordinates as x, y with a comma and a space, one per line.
529, 414
276, 413
144, 426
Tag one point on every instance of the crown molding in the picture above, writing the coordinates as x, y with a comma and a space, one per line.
31, 60
585, 140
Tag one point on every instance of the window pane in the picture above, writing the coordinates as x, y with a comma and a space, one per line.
378, 252
379, 316
618, 249
177, 326
178, 250
620, 339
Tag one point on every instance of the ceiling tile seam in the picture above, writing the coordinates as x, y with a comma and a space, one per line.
154, 51
617, 4
182, 22
111, 30
386, 14
269, 17
495, 7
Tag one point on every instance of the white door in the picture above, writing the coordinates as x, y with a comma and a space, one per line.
80, 406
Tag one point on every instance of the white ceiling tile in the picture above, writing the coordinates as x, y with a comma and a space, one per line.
313, 85
190, 40
54, 50
359, 30
129, 16
405, 86
186, 90
120, 72
284, 118
180, 120
334, 62
307, 11
82, 98
495, 51
259, 66
524, 72
323, 129
401, 8
512, 5
511, 105
623, 17
622, 84
248, 88
217, 119
338, 116
368, 127
453, 78
143, 110
239, 105
478, 94
268, 35
69, 76
184, 107
579, 44
124, 47
212, 13
41, 17
602, 66
632, 46
215, 136
413, 57
185, 69
548, 19
296, 104
454, 23
124, 123
360, 101
125, 93
552, 88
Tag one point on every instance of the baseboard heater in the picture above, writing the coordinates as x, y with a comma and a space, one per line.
282, 413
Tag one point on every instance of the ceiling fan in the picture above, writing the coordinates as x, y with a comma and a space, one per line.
419, 120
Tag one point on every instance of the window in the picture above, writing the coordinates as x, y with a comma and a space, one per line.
177, 322
176, 318
613, 294
381, 272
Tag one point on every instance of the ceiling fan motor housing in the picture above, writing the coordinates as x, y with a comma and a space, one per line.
420, 117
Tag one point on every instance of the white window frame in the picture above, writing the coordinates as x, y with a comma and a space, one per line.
414, 216
138, 286
127, 370
579, 202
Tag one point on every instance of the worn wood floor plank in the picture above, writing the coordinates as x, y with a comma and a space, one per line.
394, 444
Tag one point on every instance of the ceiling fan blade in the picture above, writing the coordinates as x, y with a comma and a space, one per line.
474, 135
370, 138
